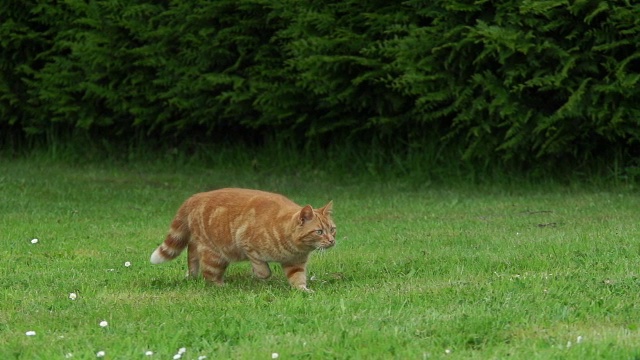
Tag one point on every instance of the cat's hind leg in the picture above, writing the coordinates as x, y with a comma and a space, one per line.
213, 266
193, 261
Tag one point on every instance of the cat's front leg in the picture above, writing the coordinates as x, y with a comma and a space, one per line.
296, 273
260, 269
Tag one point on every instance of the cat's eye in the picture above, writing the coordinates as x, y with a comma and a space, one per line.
333, 230
319, 232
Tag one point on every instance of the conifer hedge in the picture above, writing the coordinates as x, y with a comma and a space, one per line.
507, 79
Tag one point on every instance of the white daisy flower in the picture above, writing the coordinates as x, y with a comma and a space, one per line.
149, 353
177, 356
104, 323
100, 353
182, 350
34, 241
127, 263
275, 355
73, 296
30, 333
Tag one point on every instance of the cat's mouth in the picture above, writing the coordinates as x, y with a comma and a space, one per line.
325, 246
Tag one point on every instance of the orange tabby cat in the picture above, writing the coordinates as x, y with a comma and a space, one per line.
228, 225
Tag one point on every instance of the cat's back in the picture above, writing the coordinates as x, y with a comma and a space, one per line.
239, 198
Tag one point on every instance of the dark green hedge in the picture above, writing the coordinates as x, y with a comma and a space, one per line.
521, 80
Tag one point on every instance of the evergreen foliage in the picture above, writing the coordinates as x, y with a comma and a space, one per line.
510, 80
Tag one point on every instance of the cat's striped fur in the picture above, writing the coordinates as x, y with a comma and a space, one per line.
228, 225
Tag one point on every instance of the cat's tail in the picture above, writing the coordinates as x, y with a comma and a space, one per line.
176, 241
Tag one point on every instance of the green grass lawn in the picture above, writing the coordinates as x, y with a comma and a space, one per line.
457, 271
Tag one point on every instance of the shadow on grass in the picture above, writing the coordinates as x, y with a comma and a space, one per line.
240, 282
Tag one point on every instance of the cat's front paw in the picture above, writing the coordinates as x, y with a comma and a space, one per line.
304, 288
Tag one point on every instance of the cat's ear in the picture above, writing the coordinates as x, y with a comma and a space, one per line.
327, 210
306, 214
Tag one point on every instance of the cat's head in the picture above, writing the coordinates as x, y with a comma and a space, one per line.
315, 227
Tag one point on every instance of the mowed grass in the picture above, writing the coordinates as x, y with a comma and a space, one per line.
459, 271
